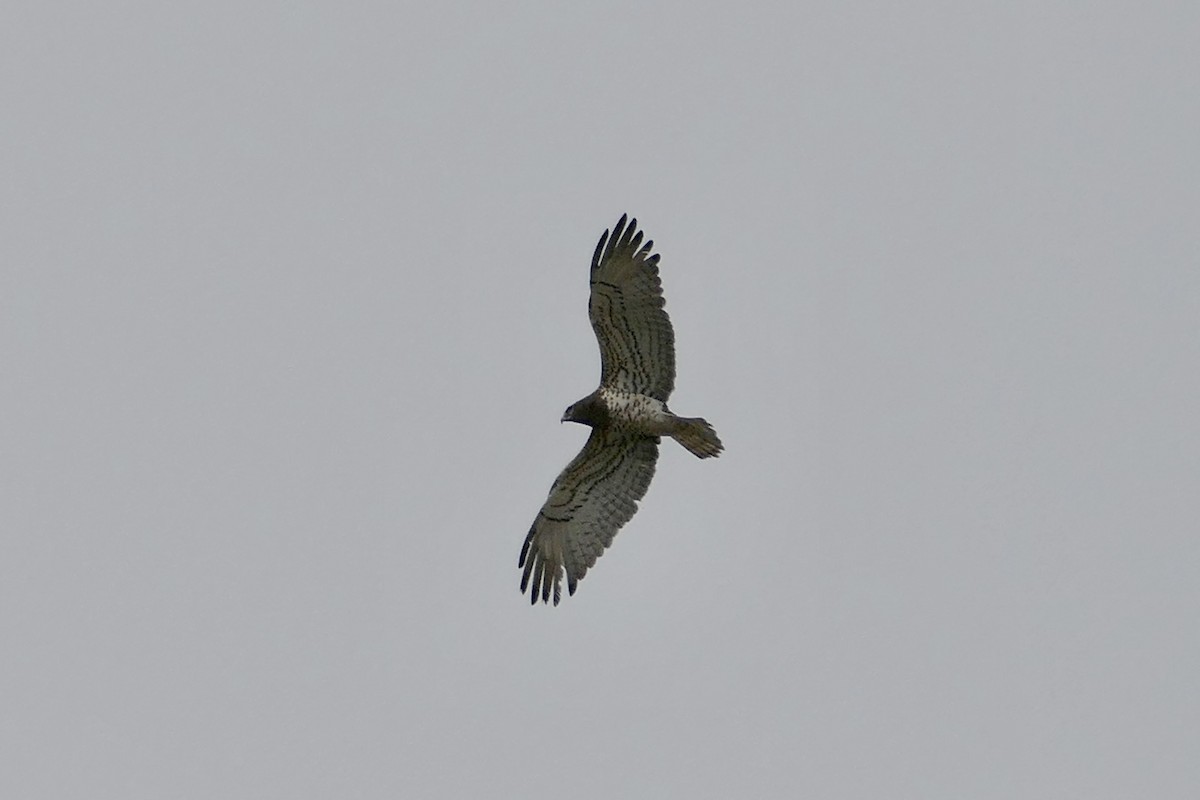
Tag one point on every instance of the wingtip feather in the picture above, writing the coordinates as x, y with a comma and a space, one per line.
618, 233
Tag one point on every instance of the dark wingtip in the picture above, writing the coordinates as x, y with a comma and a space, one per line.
609, 242
525, 580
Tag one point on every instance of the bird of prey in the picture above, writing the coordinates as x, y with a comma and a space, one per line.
599, 490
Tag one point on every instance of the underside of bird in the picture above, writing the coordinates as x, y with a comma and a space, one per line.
598, 492
632, 412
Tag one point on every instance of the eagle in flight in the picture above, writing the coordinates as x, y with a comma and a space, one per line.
599, 490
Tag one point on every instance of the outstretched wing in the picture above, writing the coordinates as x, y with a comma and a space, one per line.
589, 502
637, 344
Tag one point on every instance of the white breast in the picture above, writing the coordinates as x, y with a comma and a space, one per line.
630, 407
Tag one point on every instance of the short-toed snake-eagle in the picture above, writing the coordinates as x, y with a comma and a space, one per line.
599, 490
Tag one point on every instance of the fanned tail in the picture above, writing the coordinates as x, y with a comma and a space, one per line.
698, 437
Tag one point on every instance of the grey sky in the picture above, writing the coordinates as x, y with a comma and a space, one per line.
292, 297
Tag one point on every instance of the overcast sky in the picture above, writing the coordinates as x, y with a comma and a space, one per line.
293, 295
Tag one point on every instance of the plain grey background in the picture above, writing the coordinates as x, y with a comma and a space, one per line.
292, 296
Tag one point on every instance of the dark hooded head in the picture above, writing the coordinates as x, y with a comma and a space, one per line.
588, 411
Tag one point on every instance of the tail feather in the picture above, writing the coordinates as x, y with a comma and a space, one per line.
698, 437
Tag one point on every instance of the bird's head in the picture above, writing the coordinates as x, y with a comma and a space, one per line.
588, 411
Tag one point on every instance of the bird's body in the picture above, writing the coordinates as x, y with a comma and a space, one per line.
634, 412
626, 412
598, 491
